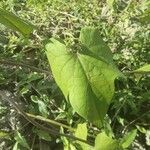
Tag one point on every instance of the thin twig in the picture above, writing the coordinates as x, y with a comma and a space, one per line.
117, 112
33, 142
21, 64
135, 121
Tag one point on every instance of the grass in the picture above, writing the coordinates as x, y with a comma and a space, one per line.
125, 28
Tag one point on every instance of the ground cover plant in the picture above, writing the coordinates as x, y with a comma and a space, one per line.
74, 74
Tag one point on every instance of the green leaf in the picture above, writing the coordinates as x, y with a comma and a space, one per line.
81, 132
128, 139
41, 105
21, 140
15, 147
143, 70
43, 108
12, 21
86, 78
4, 135
43, 135
110, 3
141, 129
147, 138
103, 142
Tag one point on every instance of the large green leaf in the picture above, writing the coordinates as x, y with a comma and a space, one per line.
104, 142
86, 77
12, 21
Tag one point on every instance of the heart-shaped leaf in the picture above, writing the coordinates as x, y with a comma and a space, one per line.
86, 77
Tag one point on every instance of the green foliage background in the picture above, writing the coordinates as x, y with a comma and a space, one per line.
124, 26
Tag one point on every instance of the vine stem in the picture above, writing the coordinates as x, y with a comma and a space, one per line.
50, 121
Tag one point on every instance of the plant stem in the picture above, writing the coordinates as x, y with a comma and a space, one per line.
50, 121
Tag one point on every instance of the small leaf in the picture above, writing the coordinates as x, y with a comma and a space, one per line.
12, 21
128, 139
110, 3
43, 135
15, 147
148, 137
24, 90
143, 70
120, 120
141, 129
21, 140
103, 142
43, 108
81, 132
4, 135
33, 77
